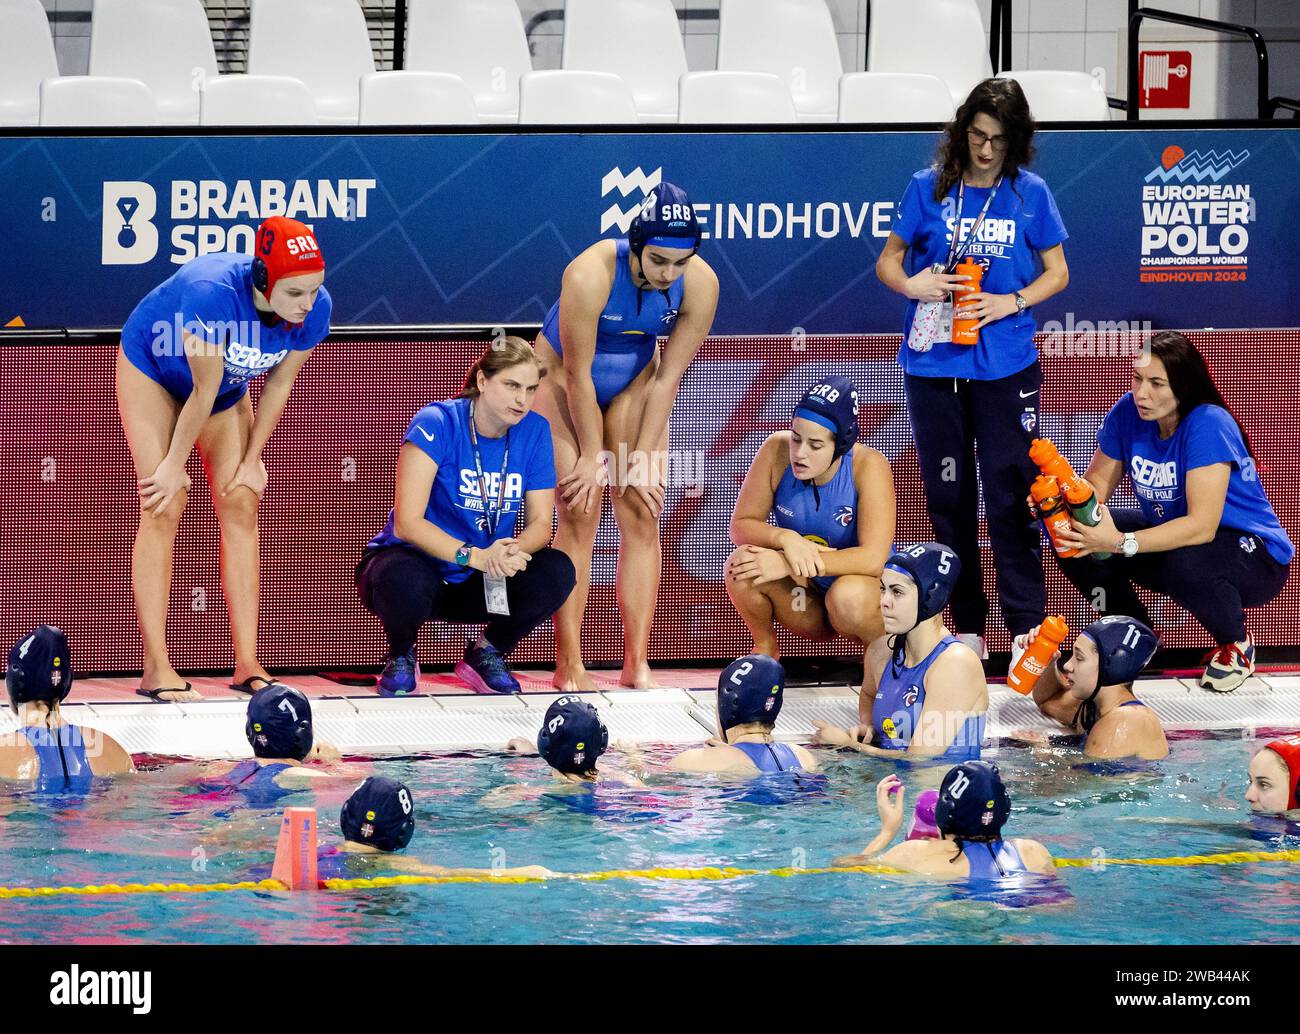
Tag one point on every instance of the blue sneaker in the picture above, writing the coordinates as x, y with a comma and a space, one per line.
400, 677
484, 671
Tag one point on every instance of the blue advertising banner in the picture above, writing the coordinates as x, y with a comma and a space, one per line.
472, 228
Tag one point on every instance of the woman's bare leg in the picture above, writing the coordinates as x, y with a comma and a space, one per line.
640, 553
148, 418
853, 605
781, 603
575, 535
222, 444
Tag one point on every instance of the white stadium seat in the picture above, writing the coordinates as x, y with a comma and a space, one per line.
26, 57
91, 100
575, 98
323, 43
165, 44
1063, 96
640, 41
416, 99
794, 39
257, 100
894, 97
945, 38
735, 98
482, 41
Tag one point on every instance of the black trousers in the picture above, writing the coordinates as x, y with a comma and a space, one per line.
951, 420
1214, 581
403, 587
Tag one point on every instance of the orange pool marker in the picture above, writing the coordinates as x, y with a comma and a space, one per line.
295, 854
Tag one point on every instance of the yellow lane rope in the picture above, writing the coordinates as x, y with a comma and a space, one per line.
702, 873
139, 888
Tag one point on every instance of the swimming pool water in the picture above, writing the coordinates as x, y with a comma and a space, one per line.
147, 828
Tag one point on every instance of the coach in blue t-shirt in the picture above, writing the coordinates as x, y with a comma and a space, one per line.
1205, 534
979, 202
189, 351
467, 470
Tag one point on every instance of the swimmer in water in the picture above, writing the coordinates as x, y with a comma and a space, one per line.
972, 807
1274, 775
750, 693
572, 740
280, 731
48, 749
1092, 692
377, 821
932, 698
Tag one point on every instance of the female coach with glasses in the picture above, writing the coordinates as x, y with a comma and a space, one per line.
979, 203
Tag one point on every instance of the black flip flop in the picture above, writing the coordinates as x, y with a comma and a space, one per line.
247, 685
156, 694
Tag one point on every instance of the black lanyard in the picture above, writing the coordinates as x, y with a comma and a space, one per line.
956, 253
482, 481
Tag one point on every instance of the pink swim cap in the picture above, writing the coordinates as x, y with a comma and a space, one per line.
923, 820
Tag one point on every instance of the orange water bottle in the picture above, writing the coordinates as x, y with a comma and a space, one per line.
1052, 509
963, 328
1038, 654
1079, 495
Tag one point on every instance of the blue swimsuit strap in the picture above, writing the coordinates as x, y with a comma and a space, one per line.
775, 757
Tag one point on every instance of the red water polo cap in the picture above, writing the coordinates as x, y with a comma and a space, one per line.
1288, 748
285, 247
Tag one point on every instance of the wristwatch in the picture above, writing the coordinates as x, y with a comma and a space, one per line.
1021, 304
1128, 545
463, 554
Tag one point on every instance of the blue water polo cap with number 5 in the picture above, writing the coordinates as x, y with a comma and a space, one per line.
934, 568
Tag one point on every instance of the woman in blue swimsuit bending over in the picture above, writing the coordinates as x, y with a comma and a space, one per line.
609, 392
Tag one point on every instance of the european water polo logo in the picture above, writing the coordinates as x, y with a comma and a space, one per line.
1195, 225
616, 216
129, 235
843, 516
1176, 164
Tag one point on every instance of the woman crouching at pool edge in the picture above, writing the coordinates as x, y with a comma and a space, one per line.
817, 572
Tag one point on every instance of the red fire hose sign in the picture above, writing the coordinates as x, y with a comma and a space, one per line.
1166, 78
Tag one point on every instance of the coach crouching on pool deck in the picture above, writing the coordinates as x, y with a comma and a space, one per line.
466, 470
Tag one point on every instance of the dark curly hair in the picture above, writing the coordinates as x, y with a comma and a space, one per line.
1002, 99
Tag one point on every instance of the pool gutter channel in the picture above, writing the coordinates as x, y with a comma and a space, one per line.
370, 726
